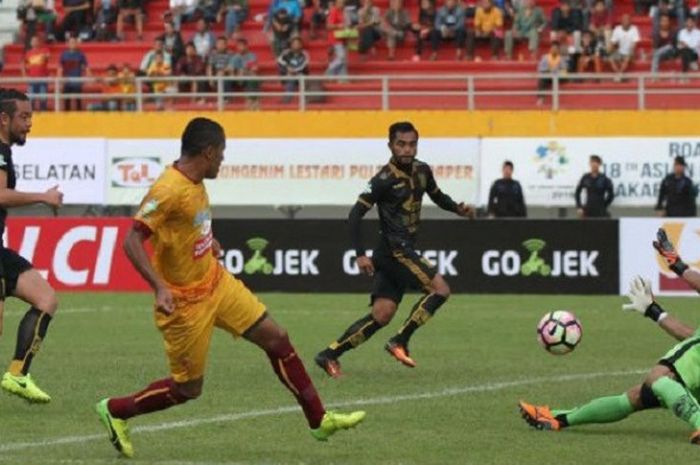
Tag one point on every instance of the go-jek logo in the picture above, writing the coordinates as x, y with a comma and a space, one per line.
291, 262
551, 159
537, 261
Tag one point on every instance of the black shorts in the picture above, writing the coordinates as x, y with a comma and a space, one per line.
399, 270
13, 265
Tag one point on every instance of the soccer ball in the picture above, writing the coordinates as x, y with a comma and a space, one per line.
559, 332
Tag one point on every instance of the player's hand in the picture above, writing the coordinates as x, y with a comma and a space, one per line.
53, 197
467, 211
365, 264
640, 296
164, 300
216, 248
665, 248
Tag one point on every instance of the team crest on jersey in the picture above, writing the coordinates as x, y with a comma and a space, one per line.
368, 189
148, 208
202, 220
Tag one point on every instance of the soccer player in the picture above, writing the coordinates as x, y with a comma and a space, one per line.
194, 293
673, 383
398, 190
17, 277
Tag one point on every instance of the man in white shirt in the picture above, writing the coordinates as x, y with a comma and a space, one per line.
623, 43
688, 44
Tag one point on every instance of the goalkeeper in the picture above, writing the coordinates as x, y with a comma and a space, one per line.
674, 383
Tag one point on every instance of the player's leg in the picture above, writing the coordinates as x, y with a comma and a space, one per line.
186, 334
437, 291
601, 410
28, 285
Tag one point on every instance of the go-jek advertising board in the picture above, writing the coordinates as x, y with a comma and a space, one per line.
289, 171
550, 168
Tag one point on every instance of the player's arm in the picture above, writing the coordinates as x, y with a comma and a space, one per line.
10, 198
491, 208
521, 201
666, 249
443, 200
372, 194
609, 193
662, 196
642, 301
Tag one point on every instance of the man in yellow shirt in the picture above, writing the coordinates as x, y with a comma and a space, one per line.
488, 27
194, 294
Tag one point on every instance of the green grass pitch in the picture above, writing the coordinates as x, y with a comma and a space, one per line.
476, 359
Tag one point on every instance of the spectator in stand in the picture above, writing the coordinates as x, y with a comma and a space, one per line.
191, 65
293, 62
673, 8
182, 11
599, 192
528, 24
338, 33
551, 64
423, 29
209, 10
694, 10
396, 23
282, 29
369, 26
590, 54
127, 79
688, 45
506, 198
293, 7
203, 39
111, 87
449, 25
130, 9
623, 42
664, 44
677, 193
233, 12
319, 14
105, 17
35, 68
220, 64
245, 64
31, 12
76, 15
159, 68
567, 24
172, 42
600, 23
158, 46
642, 7
488, 27
73, 66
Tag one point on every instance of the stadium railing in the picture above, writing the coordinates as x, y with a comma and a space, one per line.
383, 92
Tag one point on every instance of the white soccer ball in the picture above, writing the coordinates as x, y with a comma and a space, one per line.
559, 332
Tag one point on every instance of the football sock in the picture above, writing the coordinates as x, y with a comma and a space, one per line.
678, 400
424, 309
291, 372
31, 331
601, 410
356, 334
159, 395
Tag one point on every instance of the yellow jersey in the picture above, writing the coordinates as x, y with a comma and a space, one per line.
177, 214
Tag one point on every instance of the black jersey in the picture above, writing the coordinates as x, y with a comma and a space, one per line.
7, 166
506, 199
398, 193
677, 196
599, 194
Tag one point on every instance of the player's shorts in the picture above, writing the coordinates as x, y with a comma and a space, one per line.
187, 331
684, 361
399, 270
13, 265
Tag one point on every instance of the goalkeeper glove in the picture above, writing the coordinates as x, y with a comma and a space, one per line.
642, 300
668, 252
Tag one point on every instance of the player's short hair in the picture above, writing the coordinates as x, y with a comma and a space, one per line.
200, 134
8, 100
508, 163
597, 159
401, 126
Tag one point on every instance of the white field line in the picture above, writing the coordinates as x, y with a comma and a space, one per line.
383, 400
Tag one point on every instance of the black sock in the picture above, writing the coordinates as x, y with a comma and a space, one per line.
422, 311
30, 333
356, 334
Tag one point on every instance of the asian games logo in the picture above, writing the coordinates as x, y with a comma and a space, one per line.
551, 159
202, 220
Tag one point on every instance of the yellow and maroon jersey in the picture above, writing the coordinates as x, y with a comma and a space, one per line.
176, 215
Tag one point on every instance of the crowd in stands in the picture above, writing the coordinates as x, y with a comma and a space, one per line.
586, 36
